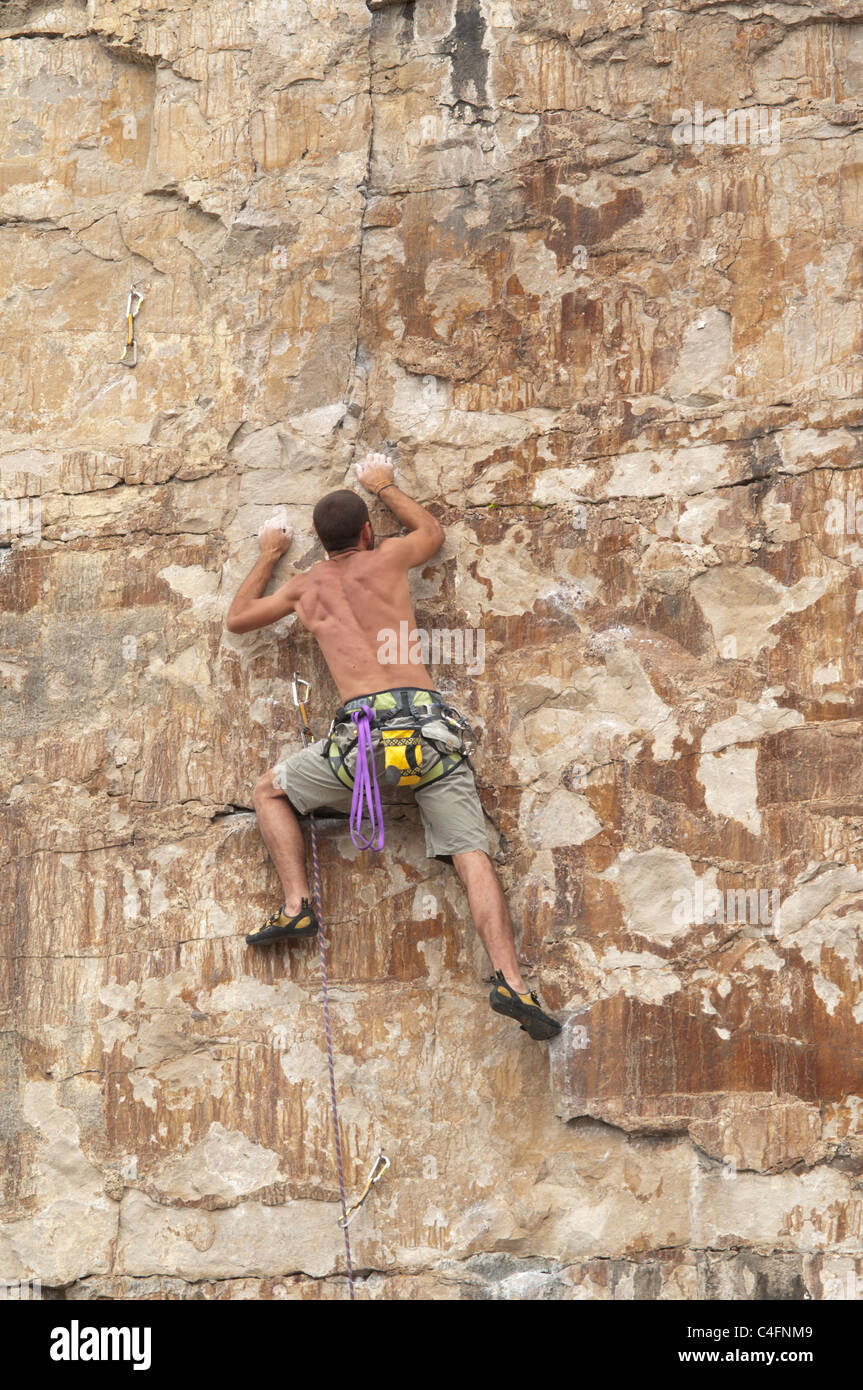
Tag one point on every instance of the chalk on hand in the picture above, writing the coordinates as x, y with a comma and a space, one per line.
279, 522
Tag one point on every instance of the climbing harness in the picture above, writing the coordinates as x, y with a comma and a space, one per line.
129, 356
405, 716
403, 753
374, 1176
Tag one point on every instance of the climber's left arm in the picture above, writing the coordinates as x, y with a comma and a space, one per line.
247, 613
250, 609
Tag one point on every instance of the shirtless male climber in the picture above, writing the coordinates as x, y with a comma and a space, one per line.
348, 602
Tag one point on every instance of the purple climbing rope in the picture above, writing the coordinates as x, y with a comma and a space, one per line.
330, 1052
366, 798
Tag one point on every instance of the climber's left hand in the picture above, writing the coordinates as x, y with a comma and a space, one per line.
275, 537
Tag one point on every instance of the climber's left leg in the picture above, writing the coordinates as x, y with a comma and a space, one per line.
281, 833
297, 784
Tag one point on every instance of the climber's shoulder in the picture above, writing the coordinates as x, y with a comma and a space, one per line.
406, 552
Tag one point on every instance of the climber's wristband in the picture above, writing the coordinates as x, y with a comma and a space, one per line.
380, 489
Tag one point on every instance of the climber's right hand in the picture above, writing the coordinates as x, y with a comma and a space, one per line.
377, 470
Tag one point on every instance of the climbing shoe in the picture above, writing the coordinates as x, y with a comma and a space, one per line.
523, 1007
279, 927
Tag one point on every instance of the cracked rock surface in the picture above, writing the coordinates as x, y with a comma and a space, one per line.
626, 372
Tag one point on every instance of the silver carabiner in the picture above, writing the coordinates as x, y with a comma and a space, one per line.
467, 734
295, 681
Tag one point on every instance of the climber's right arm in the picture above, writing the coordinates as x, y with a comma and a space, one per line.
426, 535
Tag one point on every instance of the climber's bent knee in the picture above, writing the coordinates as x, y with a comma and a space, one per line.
265, 788
469, 859
308, 781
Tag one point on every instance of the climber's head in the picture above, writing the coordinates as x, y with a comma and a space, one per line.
341, 520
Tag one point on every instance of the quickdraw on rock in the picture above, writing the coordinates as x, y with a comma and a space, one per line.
374, 1176
129, 356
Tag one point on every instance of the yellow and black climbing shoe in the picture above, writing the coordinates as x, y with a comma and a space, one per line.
523, 1007
279, 927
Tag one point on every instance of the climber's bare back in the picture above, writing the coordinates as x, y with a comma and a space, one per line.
357, 602
352, 605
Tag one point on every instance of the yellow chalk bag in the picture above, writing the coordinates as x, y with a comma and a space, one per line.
404, 755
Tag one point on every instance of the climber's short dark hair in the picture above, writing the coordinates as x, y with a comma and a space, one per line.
339, 519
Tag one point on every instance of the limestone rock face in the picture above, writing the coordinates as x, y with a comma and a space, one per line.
593, 272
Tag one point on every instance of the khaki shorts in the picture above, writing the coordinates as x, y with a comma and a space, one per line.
450, 808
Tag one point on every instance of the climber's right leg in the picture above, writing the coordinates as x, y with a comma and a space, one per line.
510, 995
455, 832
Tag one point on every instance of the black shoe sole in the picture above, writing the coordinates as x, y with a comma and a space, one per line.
262, 938
537, 1025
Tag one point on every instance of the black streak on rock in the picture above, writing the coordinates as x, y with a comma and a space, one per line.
469, 59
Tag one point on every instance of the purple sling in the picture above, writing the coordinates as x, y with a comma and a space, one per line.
366, 793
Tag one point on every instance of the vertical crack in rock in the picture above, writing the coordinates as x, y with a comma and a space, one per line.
358, 375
